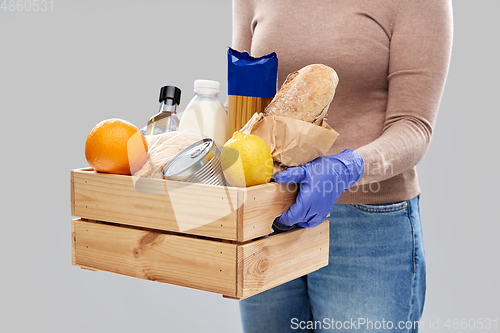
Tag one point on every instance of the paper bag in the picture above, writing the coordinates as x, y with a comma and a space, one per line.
293, 142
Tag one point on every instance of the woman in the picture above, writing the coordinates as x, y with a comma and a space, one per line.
392, 58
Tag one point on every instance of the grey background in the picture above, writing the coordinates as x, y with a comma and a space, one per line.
63, 71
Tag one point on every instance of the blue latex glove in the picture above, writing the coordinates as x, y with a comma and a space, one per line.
322, 181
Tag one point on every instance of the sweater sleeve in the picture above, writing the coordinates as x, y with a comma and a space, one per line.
420, 51
242, 25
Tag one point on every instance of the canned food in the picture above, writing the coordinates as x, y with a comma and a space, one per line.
197, 163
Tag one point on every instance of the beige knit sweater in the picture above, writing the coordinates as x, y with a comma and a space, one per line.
392, 58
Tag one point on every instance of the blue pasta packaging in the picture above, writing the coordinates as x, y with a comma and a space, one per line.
252, 84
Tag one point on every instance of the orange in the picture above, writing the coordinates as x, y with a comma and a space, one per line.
116, 146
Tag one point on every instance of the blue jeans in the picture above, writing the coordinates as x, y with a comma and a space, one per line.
375, 279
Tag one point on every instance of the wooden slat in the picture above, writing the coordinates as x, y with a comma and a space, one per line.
262, 204
239, 272
180, 260
233, 298
73, 244
241, 195
72, 195
238, 214
197, 209
280, 258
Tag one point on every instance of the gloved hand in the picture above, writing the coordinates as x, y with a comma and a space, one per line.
322, 181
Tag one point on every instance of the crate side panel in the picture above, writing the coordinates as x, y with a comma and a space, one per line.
172, 206
184, 261
280, 258
73, 243
261, 205
72, 193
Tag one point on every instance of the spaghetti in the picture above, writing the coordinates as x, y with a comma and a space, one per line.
242, 108
252, 84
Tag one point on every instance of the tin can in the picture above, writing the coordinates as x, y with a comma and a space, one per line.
198, 163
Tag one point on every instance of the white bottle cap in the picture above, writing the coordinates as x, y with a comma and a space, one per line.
206, 87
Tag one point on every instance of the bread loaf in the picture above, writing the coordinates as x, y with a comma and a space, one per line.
305, 94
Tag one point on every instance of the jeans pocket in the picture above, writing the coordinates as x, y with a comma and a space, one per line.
382, 208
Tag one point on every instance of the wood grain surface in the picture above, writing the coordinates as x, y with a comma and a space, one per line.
262, 204
238, 214
179, 260
234, 270
271, 261
157, 204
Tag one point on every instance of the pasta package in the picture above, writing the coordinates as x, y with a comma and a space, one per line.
252, 84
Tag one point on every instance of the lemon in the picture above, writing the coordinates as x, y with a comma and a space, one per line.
246, 160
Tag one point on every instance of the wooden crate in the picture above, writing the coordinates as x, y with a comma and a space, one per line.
233, 270
206, 237
231, 213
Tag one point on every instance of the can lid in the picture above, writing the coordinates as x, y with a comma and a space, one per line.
189, 160
170, 92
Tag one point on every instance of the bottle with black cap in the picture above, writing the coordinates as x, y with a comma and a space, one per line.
166, 119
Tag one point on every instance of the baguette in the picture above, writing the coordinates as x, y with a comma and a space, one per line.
305, 95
